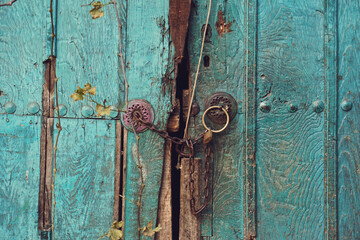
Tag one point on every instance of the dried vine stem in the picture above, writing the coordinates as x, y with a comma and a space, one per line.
8, 4
139, 166
58, 125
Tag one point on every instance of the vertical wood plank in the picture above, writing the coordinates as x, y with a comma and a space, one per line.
330, 115
149, 59
223, 217
19, 176
249, 160
84, 186
189, 224
290, 146
22, 51
349, 121
164, 218
86, 51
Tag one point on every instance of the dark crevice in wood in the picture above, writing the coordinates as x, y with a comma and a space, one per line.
118, 171
182, 83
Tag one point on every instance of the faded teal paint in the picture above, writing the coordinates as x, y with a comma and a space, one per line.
148, 55
223, 218
87, 52
19, 176
348, 140
22, 51
290, 146
84, 186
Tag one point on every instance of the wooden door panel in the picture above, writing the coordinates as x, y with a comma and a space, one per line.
19, 176
150, 65
86, 52
84, 186
290, 145
22, 52
223, 218
348, 120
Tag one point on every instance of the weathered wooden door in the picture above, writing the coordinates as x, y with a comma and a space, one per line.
286, 167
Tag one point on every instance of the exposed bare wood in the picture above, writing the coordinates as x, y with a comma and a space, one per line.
165, 209
48, 88
125, 132
118, 174
178, 19
189, 224
48, 174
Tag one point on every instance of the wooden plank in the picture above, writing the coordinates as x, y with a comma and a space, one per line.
189, 224
223, 218
86, 51
250, 80
118, 171
330, 124
164, 218
149, 60
349, 121
84, 186
290, 146
22, 41
19, 176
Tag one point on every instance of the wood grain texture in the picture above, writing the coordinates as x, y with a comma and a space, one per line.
349, 122
149, 59
189, 224
164, 218
19, 176
289, 155
84, 184
330, 115
223, 218
22, 51
87, 52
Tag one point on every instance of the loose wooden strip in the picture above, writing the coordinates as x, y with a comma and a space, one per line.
189, 224
165, 209
118, 173
348, 121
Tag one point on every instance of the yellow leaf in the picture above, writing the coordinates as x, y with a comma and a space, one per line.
92, 91
96, 12
148, 231
116, 234
77, 97
117, 225
101, 110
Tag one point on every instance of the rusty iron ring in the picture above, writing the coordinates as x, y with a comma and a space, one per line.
227, 119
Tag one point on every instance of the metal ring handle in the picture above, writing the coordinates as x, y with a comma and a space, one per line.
227, 119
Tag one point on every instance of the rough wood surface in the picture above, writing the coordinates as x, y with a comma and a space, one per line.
189, 225
290, 146
149, 59
84, 184
86, 51
223, 218
19, 176
179, 13
164, 218
22, 41
349, 122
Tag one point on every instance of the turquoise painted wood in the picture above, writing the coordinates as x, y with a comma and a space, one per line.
223, 218
286, 168
298, 64
19, 176
85, 178
149, 57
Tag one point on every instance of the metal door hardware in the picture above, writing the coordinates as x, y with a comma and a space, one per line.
225, 100
136, 109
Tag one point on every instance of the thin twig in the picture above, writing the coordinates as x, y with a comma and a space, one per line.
120, 54
88, 4
197, 71
123, 196
8, 4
